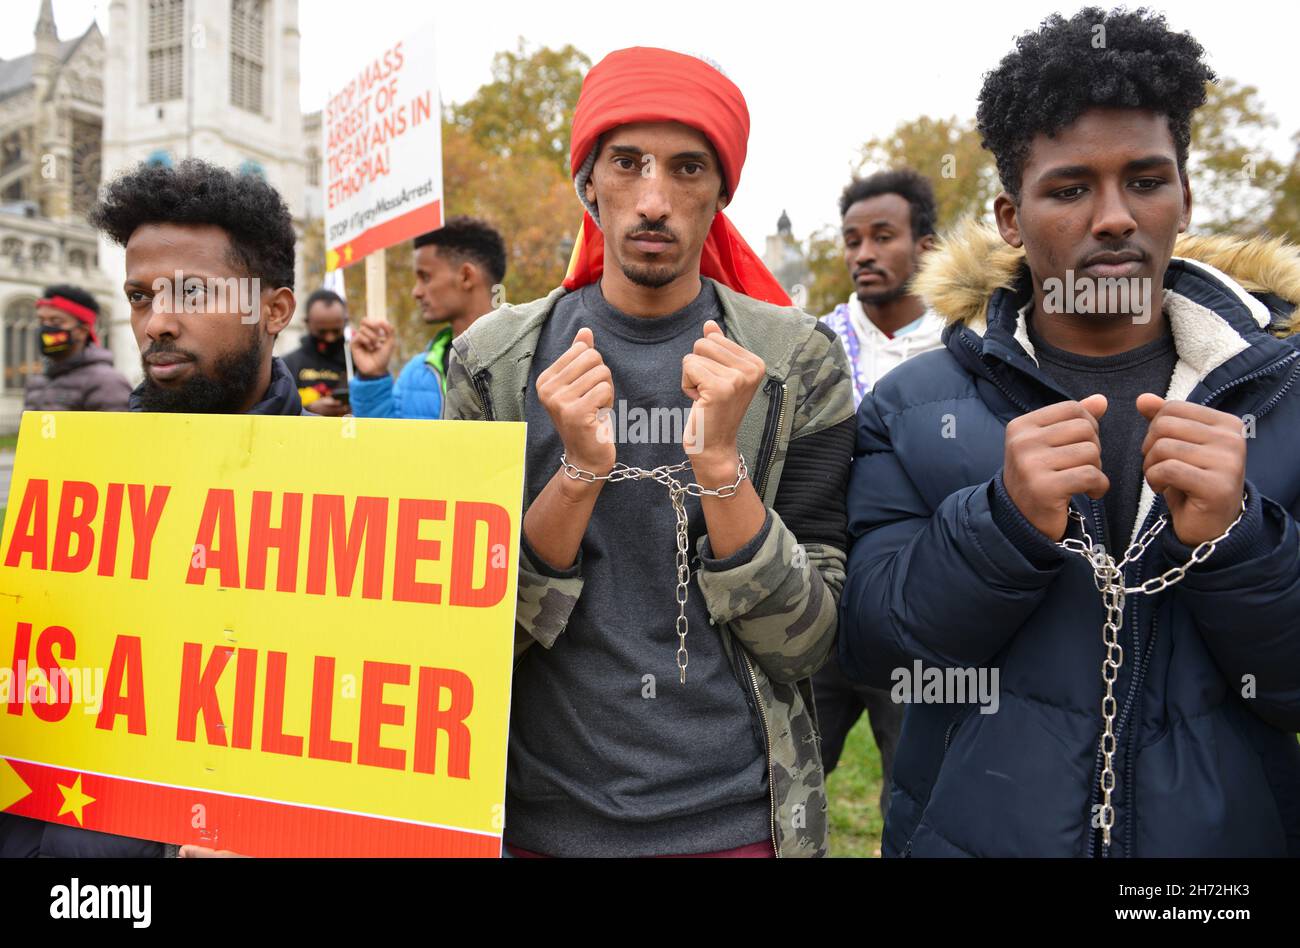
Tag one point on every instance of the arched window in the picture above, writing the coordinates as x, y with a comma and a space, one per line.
11, 248
42, 254
22, 344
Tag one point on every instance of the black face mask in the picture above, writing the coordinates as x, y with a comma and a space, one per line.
331, 350
55, 340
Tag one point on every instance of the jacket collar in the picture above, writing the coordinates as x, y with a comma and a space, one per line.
1222, 298
90, 354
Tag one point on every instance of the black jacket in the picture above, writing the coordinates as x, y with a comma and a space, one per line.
945, 570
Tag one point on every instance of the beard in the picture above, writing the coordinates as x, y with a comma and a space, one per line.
225, 391
881, 297
648, 276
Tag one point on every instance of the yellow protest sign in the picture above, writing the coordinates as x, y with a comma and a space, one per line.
273, 635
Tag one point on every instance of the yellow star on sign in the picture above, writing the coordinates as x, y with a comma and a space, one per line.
347, 254
74, 801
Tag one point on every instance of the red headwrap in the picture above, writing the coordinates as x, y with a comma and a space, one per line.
83, 313
643, 84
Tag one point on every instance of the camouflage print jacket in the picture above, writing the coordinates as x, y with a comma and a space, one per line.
776, 613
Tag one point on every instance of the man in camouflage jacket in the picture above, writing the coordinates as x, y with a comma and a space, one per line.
771, 596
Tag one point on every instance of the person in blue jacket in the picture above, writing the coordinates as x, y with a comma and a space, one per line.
1109, 389
458, 270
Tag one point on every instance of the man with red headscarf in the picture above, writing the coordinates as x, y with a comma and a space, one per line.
683, 539
78, 373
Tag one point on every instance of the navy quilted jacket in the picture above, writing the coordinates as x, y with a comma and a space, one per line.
945, 570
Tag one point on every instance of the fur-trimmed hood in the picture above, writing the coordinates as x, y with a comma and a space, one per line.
958, 277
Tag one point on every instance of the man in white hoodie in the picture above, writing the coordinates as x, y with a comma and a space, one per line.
888, 223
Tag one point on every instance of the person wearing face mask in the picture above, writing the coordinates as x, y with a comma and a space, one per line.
79, 373
318, 366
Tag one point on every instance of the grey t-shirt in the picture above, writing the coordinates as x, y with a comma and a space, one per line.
1121, 378
610, 755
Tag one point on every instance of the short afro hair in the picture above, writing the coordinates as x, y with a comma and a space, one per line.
249, 210
323, 295
468, 238
910, 185
1059, 72
73, 293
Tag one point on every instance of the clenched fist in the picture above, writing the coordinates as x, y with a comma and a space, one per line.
1196, 457
373, 346
720, 376
577, 391
1051, 455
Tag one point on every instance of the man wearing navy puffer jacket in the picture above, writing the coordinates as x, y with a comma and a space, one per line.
1106, 388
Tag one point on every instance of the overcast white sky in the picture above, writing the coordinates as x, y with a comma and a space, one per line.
820, 76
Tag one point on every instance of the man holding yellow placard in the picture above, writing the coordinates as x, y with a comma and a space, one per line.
209, 285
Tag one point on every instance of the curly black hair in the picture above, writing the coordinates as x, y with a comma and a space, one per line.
912, 186
1070, 66
248, 209
468, 238
74, 293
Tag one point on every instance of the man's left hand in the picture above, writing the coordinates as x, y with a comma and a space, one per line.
1196, 457
720, 376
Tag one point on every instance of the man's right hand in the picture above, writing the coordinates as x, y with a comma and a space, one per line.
573, 390
1051, 455
372, 347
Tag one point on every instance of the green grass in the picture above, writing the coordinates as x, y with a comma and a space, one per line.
853, 794
8, 441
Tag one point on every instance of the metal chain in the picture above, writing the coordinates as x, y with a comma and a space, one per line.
676, 492
1109, 579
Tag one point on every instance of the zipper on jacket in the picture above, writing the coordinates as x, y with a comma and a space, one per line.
1269, 369
1281, 393
1099, 524
775, 415
992, 376
952, 726
484, 395
767, 740
1131, 749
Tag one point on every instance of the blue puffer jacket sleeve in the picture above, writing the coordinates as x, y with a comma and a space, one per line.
415, 394
1245, 600
947, 586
